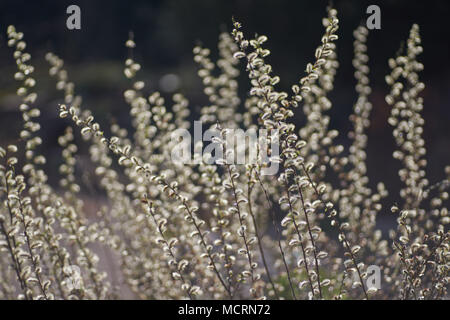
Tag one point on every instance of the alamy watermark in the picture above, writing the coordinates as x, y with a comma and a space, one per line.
73, 279
373, 280
374, 20
74, 20
228, 146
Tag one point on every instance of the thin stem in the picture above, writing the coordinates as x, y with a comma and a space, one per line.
311, 238
161, 233
297, 230
261, 250
346, 244
277, 229
241, 221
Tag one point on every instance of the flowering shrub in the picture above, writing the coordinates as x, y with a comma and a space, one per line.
212, 230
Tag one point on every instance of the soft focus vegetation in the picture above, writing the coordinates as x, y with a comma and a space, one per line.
164, 230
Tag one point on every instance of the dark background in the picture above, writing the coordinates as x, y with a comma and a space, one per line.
166, 31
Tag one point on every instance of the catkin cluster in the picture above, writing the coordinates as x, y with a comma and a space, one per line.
161, 229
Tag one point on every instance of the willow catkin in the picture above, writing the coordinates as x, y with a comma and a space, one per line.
162, 229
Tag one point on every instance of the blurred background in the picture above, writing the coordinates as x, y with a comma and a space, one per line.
166, 32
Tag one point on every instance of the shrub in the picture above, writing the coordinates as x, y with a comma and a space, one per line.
212, 230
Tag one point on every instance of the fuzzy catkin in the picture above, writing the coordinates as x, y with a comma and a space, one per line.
223, 230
